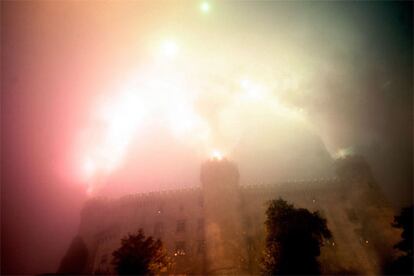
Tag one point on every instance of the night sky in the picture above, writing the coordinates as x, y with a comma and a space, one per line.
109, 98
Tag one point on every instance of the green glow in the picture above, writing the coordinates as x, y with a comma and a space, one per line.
205, 7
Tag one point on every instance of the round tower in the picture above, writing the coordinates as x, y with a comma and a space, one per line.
222, 214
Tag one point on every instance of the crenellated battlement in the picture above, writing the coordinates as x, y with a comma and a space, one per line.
96, 203
295, 183
155, 196
158, 194
140, 198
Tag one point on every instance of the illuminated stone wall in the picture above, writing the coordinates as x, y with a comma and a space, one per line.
176, 217
219, 228
226, 249
357, 215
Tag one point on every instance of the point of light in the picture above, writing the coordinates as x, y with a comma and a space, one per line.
169, 49
252, 91
244, 83
342, 153
205, 7
217, 155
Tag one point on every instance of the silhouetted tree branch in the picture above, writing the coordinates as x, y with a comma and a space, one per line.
140, 255
293, 240
404, 264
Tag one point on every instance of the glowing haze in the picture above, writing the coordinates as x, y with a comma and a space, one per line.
198, 79
117, 97
170, 92
195, 94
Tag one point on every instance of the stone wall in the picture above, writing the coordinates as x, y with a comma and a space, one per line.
219, 227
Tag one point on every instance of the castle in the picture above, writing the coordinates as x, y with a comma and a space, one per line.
218, 228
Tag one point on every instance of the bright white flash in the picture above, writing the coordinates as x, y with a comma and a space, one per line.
89, 167
161, 97
205, 7
169, 49
216, 154
253, 91
170, 98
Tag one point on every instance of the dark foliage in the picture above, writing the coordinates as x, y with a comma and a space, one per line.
75, 259
405, 221
293, 241
140, 255
404, 264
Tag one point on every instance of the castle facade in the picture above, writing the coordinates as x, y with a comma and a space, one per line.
218, 228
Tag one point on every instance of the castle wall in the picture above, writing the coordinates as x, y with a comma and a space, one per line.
176, 217
352, 249
226, 250
219, 228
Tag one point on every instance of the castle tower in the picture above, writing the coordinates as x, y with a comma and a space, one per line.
226, 251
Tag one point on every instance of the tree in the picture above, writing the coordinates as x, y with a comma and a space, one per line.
140, 255
75, 258
404, 263
293, 241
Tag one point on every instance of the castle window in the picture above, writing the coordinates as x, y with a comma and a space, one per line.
250, 243
179, 248
352, 216
200, 201
248, 223
104, 259
180, 226
201, 245
200, 224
